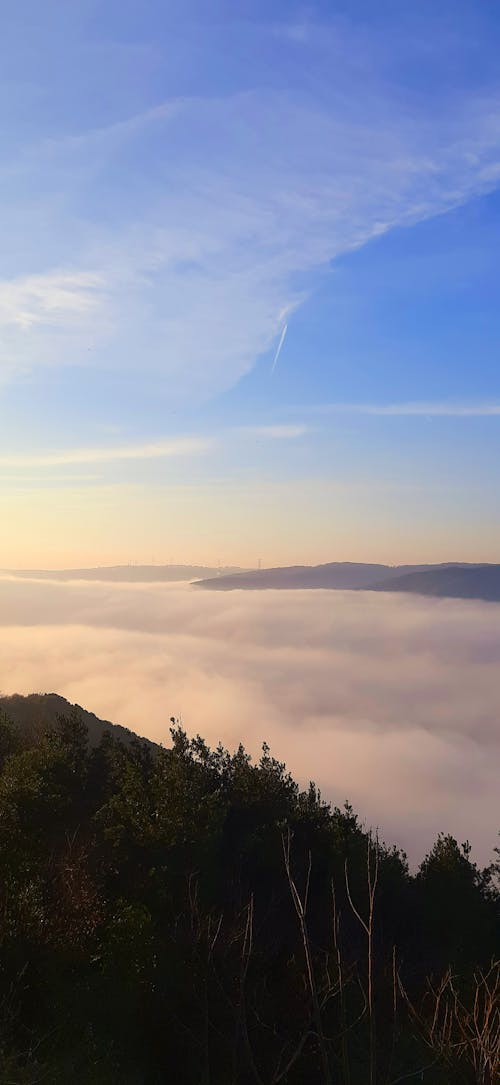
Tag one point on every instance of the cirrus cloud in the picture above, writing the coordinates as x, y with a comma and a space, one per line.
175, 446
234, 206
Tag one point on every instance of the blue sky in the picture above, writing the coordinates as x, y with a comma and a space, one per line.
181, 181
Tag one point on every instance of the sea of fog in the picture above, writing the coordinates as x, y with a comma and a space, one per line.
389, 701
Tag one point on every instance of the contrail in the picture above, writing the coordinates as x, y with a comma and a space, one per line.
280, 344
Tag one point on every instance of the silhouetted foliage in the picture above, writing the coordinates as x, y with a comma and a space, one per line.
184, 914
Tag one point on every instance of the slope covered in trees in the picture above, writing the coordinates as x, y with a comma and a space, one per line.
185, 915
449, 580
38, 713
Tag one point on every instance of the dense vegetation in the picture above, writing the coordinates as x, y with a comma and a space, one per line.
183, 915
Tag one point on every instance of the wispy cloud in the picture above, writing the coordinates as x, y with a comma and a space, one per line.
232, 207
276, 432
109, 134
176, 446
41, 476
151, 450
417, 410
51, 299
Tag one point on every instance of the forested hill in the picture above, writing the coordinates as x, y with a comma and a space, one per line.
37, 712
455, 580
344, 574
186, 915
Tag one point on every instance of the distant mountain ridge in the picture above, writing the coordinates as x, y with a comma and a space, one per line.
449, 579
454, 582
39, 711
458, 580
344, 574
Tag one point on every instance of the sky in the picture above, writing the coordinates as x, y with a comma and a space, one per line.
389, 701
249, 297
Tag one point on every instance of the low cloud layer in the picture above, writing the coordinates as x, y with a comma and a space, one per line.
388, 701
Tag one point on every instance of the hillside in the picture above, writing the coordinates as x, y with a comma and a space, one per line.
187, 914
347, 576
454, 583
39, 711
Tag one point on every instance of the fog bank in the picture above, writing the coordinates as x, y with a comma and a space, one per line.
390, 701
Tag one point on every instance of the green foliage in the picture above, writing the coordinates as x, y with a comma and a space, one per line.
149, 930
